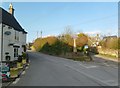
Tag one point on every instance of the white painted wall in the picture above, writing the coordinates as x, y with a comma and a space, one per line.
22, 40
0, 39
11, 39
7, 39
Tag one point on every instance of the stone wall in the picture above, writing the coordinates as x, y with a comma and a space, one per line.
110, 52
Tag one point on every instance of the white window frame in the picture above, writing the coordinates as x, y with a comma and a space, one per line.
15, 51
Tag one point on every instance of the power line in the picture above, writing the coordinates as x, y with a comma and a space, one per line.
90, 21
85, 22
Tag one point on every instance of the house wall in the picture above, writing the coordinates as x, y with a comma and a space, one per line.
10, 39
0, 40
22, 41
7, 39
110, 52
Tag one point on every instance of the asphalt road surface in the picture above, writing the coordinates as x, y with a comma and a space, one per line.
46, 70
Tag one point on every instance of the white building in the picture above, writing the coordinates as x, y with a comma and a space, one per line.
12, 36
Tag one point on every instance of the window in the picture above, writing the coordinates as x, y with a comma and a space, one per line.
9, 27
18, 36
15, 52
15, 35
24, 48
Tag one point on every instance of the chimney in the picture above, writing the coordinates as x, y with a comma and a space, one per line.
11, 9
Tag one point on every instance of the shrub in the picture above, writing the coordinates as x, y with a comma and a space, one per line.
57, 48
110, 43
39, 43
24, 55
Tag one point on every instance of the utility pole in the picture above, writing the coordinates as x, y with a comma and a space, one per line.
1, 46
74, 46
41, 34
74, 50
37, 33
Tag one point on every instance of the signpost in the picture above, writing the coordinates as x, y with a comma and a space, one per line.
74, 48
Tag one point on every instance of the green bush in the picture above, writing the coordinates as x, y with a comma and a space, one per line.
57, 48
24, 55
40, 42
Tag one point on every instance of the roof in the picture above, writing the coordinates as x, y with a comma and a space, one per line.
8, 19
110, 37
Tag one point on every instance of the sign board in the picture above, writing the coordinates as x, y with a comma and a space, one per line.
4, 68
86, 46
7, 33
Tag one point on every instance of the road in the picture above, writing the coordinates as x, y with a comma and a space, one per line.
46, 70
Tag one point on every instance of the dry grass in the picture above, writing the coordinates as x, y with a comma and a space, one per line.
77, 56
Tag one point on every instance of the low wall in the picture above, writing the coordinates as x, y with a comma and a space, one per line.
110, 52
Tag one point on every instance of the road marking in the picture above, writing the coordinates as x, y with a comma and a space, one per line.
106, 64
27, 67
23, 72
16, 81
93, 66
83, 65
109, 65
116, 67
75, 61
112, 82
106, 83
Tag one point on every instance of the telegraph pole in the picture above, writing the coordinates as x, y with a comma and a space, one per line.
74, 46
1, 46
74, 50
41, 34
37, 34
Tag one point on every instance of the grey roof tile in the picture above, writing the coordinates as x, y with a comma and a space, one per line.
8, 19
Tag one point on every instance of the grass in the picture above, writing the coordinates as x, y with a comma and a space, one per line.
109, 56
14, 72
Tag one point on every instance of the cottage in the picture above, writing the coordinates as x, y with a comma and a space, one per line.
109, 37
12, 36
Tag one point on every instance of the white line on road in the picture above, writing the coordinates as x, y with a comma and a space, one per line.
82, 65
92, 66
106, 64
27, 67
109, 65
16, 81
23, 72
110, 81
106, 83
116, 67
